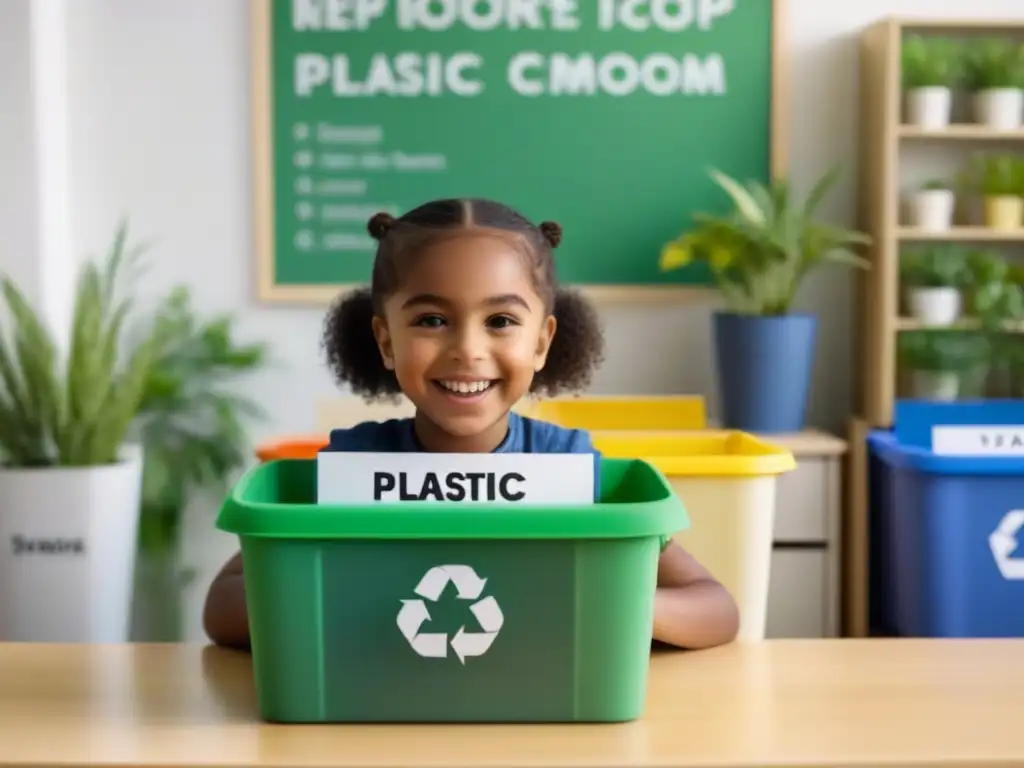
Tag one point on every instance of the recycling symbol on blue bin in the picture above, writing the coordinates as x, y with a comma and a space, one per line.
1003, 541
414, 613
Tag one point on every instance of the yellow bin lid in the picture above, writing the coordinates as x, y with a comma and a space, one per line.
656, 412
704, 453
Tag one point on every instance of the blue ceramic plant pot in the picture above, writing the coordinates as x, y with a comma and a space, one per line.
764, 370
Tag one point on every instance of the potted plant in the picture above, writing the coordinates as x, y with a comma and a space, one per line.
759, 254
193, 430
930, 67
998, 179
932, 277
943, 365
994, 74
931, 206
70, 478
997, 303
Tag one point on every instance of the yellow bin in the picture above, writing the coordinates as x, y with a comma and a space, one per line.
657, 412
726, 479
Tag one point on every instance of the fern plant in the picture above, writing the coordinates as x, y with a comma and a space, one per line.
75, 411
192, 426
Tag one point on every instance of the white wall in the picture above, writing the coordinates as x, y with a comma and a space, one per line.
157, 106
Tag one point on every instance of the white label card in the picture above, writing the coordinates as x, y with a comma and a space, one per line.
497, 478
978, 440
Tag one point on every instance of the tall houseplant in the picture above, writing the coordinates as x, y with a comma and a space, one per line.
193, 429
759, 254
70, 480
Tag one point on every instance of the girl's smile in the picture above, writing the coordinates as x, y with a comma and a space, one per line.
466, 390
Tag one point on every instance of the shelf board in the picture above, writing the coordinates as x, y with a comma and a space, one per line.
960, 132
1011, 26
962, 234
965, 324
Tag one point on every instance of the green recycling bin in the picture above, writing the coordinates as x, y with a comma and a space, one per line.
448, 612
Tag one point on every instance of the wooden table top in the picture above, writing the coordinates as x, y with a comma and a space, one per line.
787, 702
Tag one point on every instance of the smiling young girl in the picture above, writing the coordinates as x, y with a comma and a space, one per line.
464, 316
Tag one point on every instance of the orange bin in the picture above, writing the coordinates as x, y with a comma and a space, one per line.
292, 447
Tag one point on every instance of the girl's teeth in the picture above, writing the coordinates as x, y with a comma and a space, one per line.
466, 387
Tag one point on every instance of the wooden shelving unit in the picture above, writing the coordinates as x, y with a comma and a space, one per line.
883, 140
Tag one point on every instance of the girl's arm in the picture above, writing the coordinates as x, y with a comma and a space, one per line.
225, 617
691, 609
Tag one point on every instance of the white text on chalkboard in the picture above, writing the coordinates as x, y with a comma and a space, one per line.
528, 73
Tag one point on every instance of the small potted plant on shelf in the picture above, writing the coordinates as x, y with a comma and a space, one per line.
943, 365
932, 277
758, 254
994, 74
931, 206
996, 301
999, 181
930, 67
983, 271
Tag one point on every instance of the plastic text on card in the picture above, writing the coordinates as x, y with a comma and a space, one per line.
499, 478
449, 486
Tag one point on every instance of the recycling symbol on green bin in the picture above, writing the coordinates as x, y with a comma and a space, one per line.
414, 613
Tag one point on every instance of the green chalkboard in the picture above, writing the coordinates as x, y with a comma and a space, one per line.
589, 113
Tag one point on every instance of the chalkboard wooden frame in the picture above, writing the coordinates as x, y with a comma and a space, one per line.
321, 294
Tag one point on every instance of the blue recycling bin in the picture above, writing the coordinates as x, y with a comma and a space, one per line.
881, 605
949, 490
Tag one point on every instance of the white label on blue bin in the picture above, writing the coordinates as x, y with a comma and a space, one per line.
497, 478
1003, 542
978, 440
414, 613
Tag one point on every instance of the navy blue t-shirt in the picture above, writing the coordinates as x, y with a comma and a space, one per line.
525, 435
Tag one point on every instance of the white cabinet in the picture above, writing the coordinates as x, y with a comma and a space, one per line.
804, 594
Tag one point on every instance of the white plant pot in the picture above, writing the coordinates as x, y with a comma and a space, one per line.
1001, 109
932, 209
934, 306
936, 385
930, 107
67, 551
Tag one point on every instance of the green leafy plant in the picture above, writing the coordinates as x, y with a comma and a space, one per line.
996, 290
994, 63
935, 266
982, 268
930, 62
76, 411
943, 351
995, 299
760, 252
995, 175
936, 185
192, 424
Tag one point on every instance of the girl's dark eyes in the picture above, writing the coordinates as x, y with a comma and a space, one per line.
497, 322
429, 321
